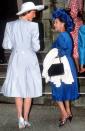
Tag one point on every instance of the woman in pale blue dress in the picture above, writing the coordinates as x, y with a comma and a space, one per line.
23, 79
81, 48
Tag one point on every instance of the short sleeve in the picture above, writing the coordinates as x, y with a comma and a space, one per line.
35, 38
7, 44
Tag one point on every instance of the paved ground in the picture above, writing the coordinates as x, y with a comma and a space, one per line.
43, 118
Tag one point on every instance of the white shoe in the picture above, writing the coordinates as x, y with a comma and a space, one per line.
27, 124
21, 123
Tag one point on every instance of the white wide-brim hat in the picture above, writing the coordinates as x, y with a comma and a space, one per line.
28, 6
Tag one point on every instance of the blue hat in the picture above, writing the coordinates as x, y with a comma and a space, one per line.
63, 14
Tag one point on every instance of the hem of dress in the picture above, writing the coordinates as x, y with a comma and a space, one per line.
69, 99
22, 96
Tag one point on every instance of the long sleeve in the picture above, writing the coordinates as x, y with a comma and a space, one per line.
35, 38
7, 43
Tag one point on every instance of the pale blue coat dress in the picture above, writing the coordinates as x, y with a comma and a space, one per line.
23, 77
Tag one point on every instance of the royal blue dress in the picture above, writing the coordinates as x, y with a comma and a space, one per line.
65, 92
81, 45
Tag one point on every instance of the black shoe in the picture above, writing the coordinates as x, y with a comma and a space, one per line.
70, 118
63, 122
60, 119
81, 74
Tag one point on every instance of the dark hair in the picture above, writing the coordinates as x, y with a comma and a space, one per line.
25, 13
61, 20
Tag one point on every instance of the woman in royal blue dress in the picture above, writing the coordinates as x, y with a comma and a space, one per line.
66, 92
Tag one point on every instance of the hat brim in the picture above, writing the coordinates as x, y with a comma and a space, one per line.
37, 8
24, 11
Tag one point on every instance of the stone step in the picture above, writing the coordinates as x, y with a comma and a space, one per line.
44, 100
80, 102
3, 70
41, 55
46, 87
3, 67
82, 81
